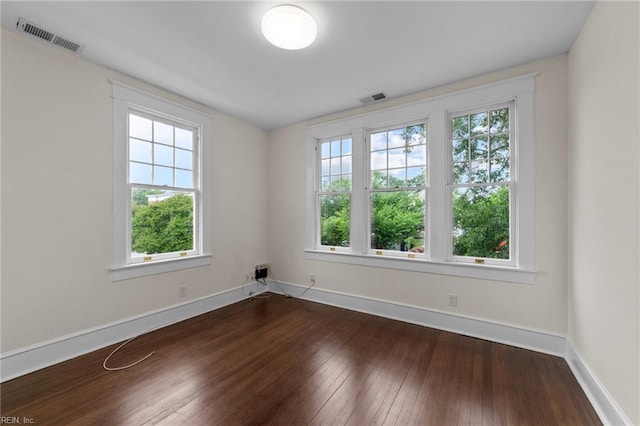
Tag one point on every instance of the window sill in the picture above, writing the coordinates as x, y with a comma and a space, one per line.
483, 272
120, 273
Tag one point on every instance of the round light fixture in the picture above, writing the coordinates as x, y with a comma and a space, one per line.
289, 27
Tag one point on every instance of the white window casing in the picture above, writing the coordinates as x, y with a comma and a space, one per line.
128, 100
517, 92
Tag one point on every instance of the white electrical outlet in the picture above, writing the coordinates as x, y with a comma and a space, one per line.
453, 300
182, 291
312, 278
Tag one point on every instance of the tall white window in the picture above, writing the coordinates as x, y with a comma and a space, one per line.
397, 188
481, 185
334, 195
163, 187
450, 193
159, 192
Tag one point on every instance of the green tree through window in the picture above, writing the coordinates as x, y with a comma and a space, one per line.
164, 226
481, 184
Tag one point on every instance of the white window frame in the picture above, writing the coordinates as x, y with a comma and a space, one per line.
520, 91
369, 191
319, 192
513, 190
128, 99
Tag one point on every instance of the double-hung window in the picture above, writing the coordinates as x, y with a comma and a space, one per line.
159, 186
397, 188
334, 195
481, 185
163, 186
443, 185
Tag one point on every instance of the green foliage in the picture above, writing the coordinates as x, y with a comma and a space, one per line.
335, 220
335, 214
397, 217
163, 227
481, 222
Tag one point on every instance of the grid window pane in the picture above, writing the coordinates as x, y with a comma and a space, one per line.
346, 164
397, 178
140, 173
324, 148
154, 144
378, 141
184, 138
335, 148
406, 150
396, 138
379, 179
397, 157
461, 172
162, 133
479, 123
500, 145
379, 160
500, 121
479, 171
335, 166
346, 146
140, 127
335, 170
417, 156
500, 170
479, 148
184, 159
184, 178
162, 176
140, 151
416, 176
162, 155
488, 146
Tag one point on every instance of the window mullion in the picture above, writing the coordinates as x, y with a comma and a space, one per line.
438, 204
358, 192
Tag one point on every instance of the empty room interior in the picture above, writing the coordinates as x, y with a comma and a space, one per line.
409, 213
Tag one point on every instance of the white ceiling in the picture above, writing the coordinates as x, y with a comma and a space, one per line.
213, 52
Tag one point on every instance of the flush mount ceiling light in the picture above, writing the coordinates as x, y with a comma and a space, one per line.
289, 27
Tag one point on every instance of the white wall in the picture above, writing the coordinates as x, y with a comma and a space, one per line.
57, 200
540, 307
604, 192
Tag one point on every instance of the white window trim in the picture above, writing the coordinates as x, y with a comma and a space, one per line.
436, 109
368, 191
318, 165
124, 98
513, 170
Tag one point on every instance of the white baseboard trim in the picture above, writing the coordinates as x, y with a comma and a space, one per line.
35, 357
604, 404
474, 327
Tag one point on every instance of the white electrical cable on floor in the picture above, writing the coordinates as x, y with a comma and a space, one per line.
252, 295
104, 364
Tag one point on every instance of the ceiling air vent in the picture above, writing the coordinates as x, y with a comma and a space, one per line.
373, 98
25, 26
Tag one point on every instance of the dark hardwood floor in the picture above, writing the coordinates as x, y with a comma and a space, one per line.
291, 362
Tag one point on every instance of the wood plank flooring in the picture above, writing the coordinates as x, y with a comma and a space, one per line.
290, 362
